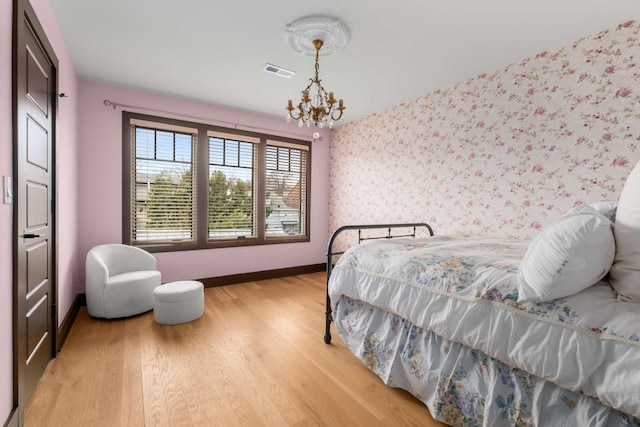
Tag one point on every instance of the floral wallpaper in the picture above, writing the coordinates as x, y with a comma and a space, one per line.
503, 153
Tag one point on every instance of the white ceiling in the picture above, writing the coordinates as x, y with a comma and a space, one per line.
215, 51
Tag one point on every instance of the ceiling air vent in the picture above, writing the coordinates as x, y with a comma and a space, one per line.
279, 71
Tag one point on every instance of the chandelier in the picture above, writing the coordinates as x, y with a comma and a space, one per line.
315, 105
308, 36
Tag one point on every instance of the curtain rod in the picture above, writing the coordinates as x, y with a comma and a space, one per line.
113, 104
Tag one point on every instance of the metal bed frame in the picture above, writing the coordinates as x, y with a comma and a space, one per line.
331, 254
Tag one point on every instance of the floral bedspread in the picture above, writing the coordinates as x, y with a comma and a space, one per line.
464, 290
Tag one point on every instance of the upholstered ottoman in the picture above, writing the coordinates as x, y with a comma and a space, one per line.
178, 302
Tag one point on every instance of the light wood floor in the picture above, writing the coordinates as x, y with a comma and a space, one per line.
256, 358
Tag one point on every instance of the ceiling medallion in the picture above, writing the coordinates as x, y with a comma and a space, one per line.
316, 36
300, 34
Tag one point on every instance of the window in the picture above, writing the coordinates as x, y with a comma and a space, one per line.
191, 186
163, 206
286, 189
233, 171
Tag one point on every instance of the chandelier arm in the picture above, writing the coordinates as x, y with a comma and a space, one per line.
335, 119
294, 117
308, 88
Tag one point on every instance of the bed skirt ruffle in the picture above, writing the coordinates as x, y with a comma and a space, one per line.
459, 385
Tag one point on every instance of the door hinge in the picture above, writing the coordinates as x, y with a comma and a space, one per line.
54, 310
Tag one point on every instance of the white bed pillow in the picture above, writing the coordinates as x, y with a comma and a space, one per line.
625, 272
606, 208
574, 253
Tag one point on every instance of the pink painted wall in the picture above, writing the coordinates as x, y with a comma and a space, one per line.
503, 153
70, 265
6, 345
101, 184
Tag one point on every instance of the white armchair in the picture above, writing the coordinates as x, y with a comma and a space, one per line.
120, 280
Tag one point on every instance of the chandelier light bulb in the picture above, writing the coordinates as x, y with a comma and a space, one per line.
316, 135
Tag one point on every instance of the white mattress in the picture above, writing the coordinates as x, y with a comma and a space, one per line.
464, 289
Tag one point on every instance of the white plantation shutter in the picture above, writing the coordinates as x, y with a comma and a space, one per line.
163, 183
233, 166
286, 188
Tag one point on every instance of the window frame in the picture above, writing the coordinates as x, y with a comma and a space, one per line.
201, 166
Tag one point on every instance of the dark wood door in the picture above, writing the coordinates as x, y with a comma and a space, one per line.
34, 229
